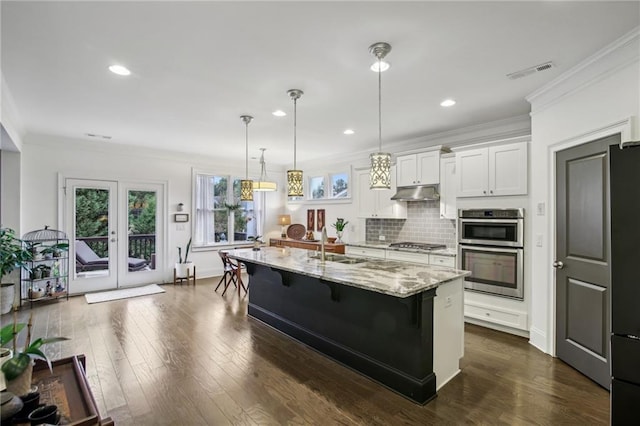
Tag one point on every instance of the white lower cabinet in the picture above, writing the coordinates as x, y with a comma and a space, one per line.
440, 260
505, 318
406, 256
365, 252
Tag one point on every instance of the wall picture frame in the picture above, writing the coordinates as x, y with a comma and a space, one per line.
311, 216
320, 223
181, 217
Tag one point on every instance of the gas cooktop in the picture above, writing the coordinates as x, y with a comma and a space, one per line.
417, 246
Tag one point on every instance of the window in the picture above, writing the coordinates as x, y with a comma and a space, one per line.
220, 217
332, 186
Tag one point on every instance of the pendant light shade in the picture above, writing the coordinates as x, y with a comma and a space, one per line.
380, 174
294, 176
246, 185
263, 184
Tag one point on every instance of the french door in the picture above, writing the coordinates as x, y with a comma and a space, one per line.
116, 232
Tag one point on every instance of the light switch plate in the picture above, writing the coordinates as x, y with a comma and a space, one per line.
539, 240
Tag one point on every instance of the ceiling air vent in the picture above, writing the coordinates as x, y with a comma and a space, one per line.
531, 70
93, 135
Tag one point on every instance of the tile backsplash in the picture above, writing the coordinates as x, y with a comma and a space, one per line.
423, 225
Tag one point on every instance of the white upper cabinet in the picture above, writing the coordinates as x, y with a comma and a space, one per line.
418, 169
491, 171
448, 187
377, 203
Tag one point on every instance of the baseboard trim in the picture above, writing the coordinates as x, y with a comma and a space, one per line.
538, 338
494, 326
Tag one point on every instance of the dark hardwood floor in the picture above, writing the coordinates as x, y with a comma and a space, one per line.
192, 357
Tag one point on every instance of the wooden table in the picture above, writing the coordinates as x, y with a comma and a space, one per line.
68, 388
308, 245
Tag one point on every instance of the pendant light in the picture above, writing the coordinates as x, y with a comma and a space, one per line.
294, 176
380, 175
263, 184
246, 185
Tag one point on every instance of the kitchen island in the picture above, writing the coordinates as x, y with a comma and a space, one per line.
398, 323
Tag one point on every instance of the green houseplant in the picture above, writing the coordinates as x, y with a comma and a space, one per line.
340, 224
183, 266
13, 255
17, 370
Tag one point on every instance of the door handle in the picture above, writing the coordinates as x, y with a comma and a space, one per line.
558, 264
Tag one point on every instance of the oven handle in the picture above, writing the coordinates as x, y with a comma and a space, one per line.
476, 220
492, 249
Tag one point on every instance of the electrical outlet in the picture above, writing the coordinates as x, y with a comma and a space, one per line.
540, 209
448, 302
381, 238
539, 240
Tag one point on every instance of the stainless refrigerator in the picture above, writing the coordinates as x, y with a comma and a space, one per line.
625, 284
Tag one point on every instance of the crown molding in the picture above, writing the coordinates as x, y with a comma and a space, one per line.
605, 62
506, 128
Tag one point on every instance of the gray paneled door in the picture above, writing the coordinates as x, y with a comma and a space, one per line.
583, 258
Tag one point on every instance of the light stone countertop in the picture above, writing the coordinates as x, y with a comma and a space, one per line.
399, 279
385, 246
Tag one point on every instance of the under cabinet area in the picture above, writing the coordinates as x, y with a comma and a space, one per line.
492, 171
418, 169
377, 204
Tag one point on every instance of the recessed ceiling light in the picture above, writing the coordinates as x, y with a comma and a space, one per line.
348, 132
279, 113
447, 103
383, 66
119, 69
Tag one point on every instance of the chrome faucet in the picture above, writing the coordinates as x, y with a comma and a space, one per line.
323, 240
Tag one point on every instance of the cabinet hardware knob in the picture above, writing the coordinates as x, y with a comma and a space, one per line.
491, 191
484, 192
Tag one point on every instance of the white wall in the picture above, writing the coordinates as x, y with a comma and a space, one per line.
44, 157
603, 90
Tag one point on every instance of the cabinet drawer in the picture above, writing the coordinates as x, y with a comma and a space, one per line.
406, 256
365, 252
506, 317
440, 260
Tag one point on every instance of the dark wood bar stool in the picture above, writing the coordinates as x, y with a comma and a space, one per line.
231, 274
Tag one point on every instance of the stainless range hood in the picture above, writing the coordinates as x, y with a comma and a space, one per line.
417, 193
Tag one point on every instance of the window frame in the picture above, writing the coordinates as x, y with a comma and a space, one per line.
257, 212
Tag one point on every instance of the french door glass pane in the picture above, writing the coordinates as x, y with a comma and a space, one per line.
91, 228
142, 218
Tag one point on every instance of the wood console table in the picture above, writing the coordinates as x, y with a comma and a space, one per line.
309, 245
68, 388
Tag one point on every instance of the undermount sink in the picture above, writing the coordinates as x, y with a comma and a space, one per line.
338, 258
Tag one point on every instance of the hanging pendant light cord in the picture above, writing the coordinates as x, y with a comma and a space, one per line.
380, 102
246, 156
295, 115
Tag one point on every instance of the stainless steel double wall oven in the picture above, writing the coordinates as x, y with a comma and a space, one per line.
491, 243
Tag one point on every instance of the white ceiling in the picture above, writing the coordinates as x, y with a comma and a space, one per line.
198, 66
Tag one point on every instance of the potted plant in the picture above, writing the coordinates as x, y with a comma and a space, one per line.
13, 254
55, 250
183, 267
256, 242
339, 225
17, 371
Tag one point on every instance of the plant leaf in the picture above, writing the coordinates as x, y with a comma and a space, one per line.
6, 334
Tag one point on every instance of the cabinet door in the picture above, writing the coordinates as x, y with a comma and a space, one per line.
406, 170
508, 169
366, 197
428, 167
472, 172
386, 207
448, 188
